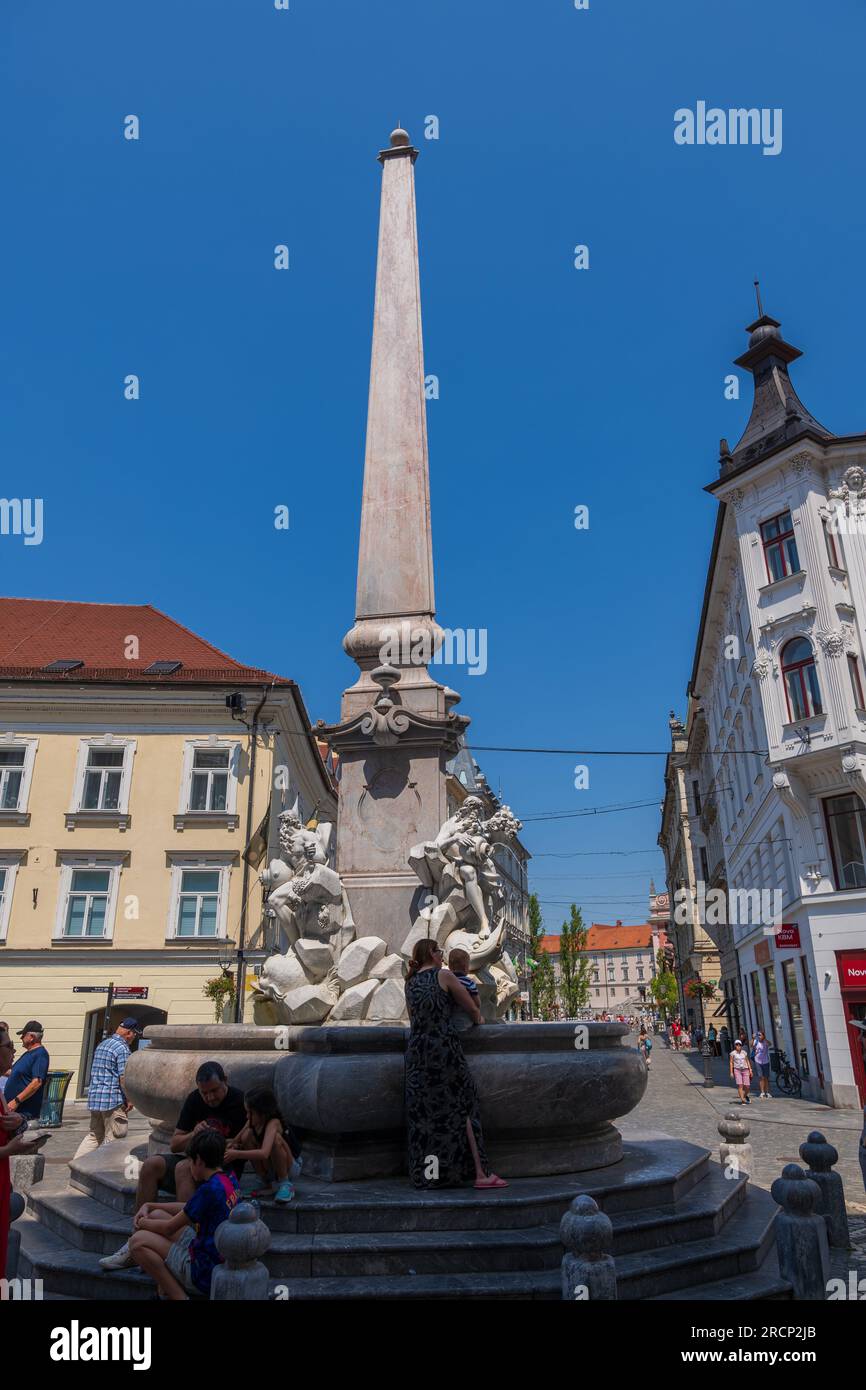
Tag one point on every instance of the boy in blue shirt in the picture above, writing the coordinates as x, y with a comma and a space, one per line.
174, 1243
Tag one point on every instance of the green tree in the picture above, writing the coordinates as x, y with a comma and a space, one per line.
663, 987
574, 964
534, 952
536, 926
543, 986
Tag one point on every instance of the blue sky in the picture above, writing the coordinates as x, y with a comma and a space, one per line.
558, 387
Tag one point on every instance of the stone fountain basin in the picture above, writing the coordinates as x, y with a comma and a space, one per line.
549, 1091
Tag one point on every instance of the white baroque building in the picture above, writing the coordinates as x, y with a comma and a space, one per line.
775, 767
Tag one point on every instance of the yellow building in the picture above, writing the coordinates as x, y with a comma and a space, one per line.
136, 763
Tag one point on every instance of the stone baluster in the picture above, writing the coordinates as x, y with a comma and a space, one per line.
735, 1154
16, 1209
820, 1156
241, 1240
801, 1236
588, 1270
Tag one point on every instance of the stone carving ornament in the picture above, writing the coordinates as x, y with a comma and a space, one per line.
328, 975
466, 901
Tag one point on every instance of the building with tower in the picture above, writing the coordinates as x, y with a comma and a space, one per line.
766, 780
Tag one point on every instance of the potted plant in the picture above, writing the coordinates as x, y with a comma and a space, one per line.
221, 992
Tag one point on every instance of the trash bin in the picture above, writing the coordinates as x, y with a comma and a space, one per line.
775, 1061
57, 1084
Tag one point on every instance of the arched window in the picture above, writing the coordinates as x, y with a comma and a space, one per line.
801, 680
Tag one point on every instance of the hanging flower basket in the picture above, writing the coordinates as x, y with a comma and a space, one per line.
700, 989
220, 991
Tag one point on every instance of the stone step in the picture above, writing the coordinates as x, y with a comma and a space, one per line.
648, 1177
699, 1216
541, 1284
66, 1270
79, 1220
740, 1247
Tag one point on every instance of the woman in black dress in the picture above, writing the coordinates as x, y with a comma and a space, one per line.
442, 1112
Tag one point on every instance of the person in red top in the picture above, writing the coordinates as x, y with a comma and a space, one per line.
676, 1033
10, 1145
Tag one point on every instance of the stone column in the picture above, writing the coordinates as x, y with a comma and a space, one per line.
397, 726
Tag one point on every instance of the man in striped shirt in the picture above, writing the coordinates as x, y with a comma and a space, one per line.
106, 1098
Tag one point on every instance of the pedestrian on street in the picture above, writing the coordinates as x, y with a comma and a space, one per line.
761, 1054
676, 1033
711, 1039
645, 1045
725, 1038
741, 1071
24, 1090
106, 1097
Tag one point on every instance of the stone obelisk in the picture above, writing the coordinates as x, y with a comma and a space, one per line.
397, 726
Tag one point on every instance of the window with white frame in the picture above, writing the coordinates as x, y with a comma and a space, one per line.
210, 779
16, 770
102, 780
199, 899
8, 870
88, 898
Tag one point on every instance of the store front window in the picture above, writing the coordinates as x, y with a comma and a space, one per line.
773, 1002
795, 1017
757, 1007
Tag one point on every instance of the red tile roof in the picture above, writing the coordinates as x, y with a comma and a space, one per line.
36, 632
601, 938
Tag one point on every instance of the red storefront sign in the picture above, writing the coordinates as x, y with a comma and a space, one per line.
852, 969
788, 938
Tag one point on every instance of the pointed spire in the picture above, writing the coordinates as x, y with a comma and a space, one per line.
395, 558
778, 415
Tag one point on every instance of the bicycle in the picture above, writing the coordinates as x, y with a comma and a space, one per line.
788, 1079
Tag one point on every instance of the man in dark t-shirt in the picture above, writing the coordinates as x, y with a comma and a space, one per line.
25, 1085
214, 1104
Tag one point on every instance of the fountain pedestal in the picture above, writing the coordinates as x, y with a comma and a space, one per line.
547, 1106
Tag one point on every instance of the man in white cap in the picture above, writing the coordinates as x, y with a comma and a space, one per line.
106, 1098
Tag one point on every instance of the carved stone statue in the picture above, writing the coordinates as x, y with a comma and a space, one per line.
326, 974
465, 905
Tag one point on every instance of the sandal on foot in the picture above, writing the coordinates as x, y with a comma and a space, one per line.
489, 1182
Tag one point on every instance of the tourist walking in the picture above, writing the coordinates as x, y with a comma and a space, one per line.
676, 1033
741, 1071
645, 1045
25, 1085
712, 1040
725, 1039
761, 1054
106, 1098
443, 1121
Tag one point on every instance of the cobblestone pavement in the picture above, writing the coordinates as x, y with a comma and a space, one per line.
677, 1103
